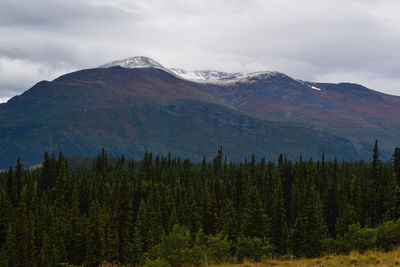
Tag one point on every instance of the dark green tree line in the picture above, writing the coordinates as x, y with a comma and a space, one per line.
165, 210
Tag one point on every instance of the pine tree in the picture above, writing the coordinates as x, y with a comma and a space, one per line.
309, 229
95, 236
211, 214
76, 242
356, 198
347, 217
123, 216
396, 163
5, 215
172, 220
218, 163
18, 179
49, 173
371, 199
111, 240
153, 220
44, 258
100, 164
394, 209
279, 228
61, 189
10, 248
255, 222
331, 208
375, 162
24, 233
10, 185
239, 191
230, 222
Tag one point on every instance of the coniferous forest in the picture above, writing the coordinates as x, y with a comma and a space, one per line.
168, 211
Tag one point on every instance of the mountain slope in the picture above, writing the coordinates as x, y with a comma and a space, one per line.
349, 110
129, 111
354, 112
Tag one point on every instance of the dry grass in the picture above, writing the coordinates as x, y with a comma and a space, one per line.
370, 258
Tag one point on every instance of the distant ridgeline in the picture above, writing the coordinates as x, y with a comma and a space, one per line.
133, 105
166, 211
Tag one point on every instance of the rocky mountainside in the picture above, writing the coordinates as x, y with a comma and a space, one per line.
134, 105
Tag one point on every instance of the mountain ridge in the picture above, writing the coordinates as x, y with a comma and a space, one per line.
128, 110
207, 76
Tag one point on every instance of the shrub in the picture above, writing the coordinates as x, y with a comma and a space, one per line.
360, 239
388, 235
219, 248
173, 248
330, 245
252, 248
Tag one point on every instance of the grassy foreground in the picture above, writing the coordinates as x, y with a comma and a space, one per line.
370, 258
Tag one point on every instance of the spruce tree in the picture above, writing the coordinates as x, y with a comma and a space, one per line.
356, 198
211, 214
279, 228
331, 208
5, 215
309, 229
95, 236
76, 238
24, 234
255, 222
10, 252
10, 185
239, 190
394, 209
347, 217
230, 222
375, 162
140, 234
44, 257
18, 179
123, 216
396, 163
61, 189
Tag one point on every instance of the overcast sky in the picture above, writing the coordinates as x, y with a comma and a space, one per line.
317, 40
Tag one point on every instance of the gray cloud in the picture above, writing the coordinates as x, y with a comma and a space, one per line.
330, 40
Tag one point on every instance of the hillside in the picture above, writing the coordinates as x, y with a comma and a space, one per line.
128, 111
348, 110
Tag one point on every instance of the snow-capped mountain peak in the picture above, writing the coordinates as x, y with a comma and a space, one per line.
206, 76
135, 62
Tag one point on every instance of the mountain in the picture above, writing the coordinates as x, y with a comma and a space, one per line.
133, 105
352, 111
205, 76
348, 110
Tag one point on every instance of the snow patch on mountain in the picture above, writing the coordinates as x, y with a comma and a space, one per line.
135, 62
315, 88
205, 76
4, 99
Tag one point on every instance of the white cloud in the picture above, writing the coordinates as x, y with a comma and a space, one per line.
339, 40
19, 75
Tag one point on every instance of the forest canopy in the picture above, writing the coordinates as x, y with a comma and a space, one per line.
168, 211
